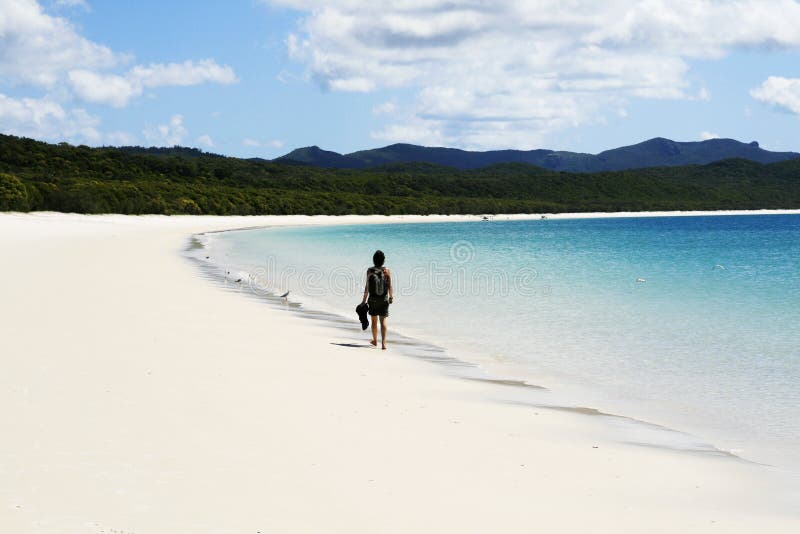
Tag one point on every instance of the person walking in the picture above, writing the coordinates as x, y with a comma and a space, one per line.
378, 294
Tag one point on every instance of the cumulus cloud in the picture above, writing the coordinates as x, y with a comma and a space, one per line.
170, 134
42, 50
46, 54
118, 90
506, 73
205, 140
104, 89
182, 74
705, 136
417, 131
43, 118
781, 92
120, 138
37, 49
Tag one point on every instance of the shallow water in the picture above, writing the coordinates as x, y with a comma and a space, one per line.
706, 341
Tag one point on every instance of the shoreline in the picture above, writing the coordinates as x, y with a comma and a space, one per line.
284, 220
660, 429
159, 403
657, 435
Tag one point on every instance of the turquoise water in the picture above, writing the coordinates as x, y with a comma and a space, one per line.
688, 322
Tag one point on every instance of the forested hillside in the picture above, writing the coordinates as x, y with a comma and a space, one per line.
40, 176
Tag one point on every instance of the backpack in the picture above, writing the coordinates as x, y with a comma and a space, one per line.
378, 283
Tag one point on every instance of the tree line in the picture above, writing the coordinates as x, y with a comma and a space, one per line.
37, 176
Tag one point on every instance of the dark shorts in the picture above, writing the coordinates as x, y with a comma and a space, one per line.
378, 307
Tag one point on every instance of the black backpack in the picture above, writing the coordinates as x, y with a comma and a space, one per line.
378, 283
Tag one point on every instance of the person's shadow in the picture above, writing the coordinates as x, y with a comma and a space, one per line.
352, 345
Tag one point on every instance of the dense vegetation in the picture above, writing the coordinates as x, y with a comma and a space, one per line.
41, 176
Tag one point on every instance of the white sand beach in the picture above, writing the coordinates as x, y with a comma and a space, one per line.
138, 397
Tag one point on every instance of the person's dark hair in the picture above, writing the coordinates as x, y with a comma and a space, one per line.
378, 258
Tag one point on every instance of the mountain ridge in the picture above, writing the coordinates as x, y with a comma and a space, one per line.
39, 176
656, 152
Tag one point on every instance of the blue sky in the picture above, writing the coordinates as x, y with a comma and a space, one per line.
260, 77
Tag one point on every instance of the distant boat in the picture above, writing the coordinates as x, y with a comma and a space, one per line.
641, 280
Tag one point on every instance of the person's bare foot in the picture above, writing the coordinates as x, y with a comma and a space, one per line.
374, 343
383, 347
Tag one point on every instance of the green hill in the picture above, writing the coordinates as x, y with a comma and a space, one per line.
40, 176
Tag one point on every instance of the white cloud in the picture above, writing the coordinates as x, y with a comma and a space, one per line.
103, 89
205, 140
117, 90
356, 85
42, 118
703, 94
385, 108
274, 143
170, 134
508, 72
38, 48
705, 136
420, 132
42, 50
781, 92
286, 76
120, 138
43, 53
182, 74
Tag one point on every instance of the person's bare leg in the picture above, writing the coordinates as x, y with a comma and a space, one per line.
374, 322
383, 333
